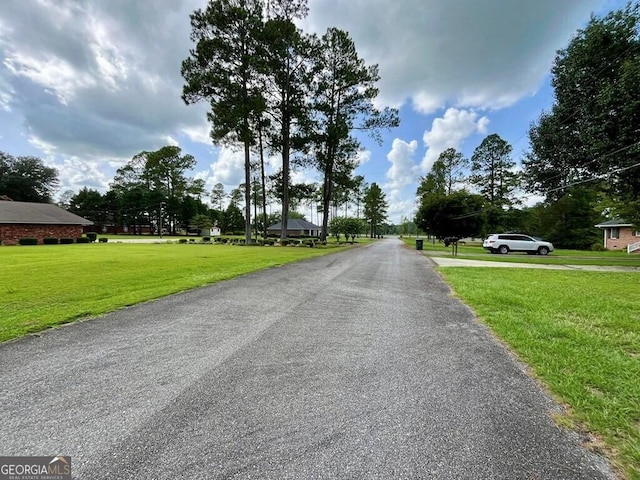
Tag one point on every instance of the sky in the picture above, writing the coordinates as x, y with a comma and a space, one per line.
87, 84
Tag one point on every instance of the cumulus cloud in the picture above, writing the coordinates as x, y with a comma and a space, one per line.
450, 131
76, 173
402, 174
463, 53
228, 169
363, 157
97, 78
403, 167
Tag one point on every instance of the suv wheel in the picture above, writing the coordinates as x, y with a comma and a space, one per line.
543, 251
503, 249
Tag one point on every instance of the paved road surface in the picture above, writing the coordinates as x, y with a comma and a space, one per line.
355, 365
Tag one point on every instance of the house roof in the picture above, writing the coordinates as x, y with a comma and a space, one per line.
616, 222
295, 224
38, 213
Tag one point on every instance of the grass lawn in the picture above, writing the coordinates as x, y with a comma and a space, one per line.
580, 333
558, 257
46, 285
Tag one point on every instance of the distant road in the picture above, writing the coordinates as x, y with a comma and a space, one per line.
356, 365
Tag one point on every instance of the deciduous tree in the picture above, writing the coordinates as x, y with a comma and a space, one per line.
27, 179
590, 136
457, 215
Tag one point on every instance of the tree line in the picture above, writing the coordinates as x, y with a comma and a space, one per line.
154, 192
584, 155
275, 89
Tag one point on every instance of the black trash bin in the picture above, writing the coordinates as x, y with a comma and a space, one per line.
418, 243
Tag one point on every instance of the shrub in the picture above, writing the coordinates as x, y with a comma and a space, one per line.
182, 240
50, 241
598, 247
284, 242
228, 234
206, 239
192, 240
82, 240
103, 239
66, 241
91, 236
28, 241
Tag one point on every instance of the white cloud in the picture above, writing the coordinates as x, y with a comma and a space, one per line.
450, 131
425, 103
403, 167
402, 177
463, 53
76, 173
363, 157
98, 78
198, 133
228, 169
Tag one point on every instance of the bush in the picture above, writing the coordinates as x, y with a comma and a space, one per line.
66, 241
206, 239
284, 242
598, 247
82, 240
182, 240
28, 241
103, 239
50, 241
91, 236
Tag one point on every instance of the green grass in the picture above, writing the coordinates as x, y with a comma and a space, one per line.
580, 333
47, 285
558, 257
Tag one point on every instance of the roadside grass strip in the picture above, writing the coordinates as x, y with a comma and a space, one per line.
558, 257
47, 285
580, 334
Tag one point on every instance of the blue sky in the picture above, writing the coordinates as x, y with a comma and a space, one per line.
87, 84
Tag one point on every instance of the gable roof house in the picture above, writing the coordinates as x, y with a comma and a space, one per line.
296, 228
619, 235
37, 220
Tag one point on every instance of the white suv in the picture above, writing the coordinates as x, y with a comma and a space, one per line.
516, 242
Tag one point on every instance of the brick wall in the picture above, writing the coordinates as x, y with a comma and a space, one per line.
627, 236
11, 234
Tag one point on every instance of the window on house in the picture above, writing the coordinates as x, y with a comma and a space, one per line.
637, 233
614, 233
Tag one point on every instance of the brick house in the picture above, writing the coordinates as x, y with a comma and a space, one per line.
37, 220
620, 235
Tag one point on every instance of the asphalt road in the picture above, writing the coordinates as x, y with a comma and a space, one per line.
355, 365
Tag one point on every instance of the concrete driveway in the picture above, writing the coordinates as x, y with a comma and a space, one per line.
355, 365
